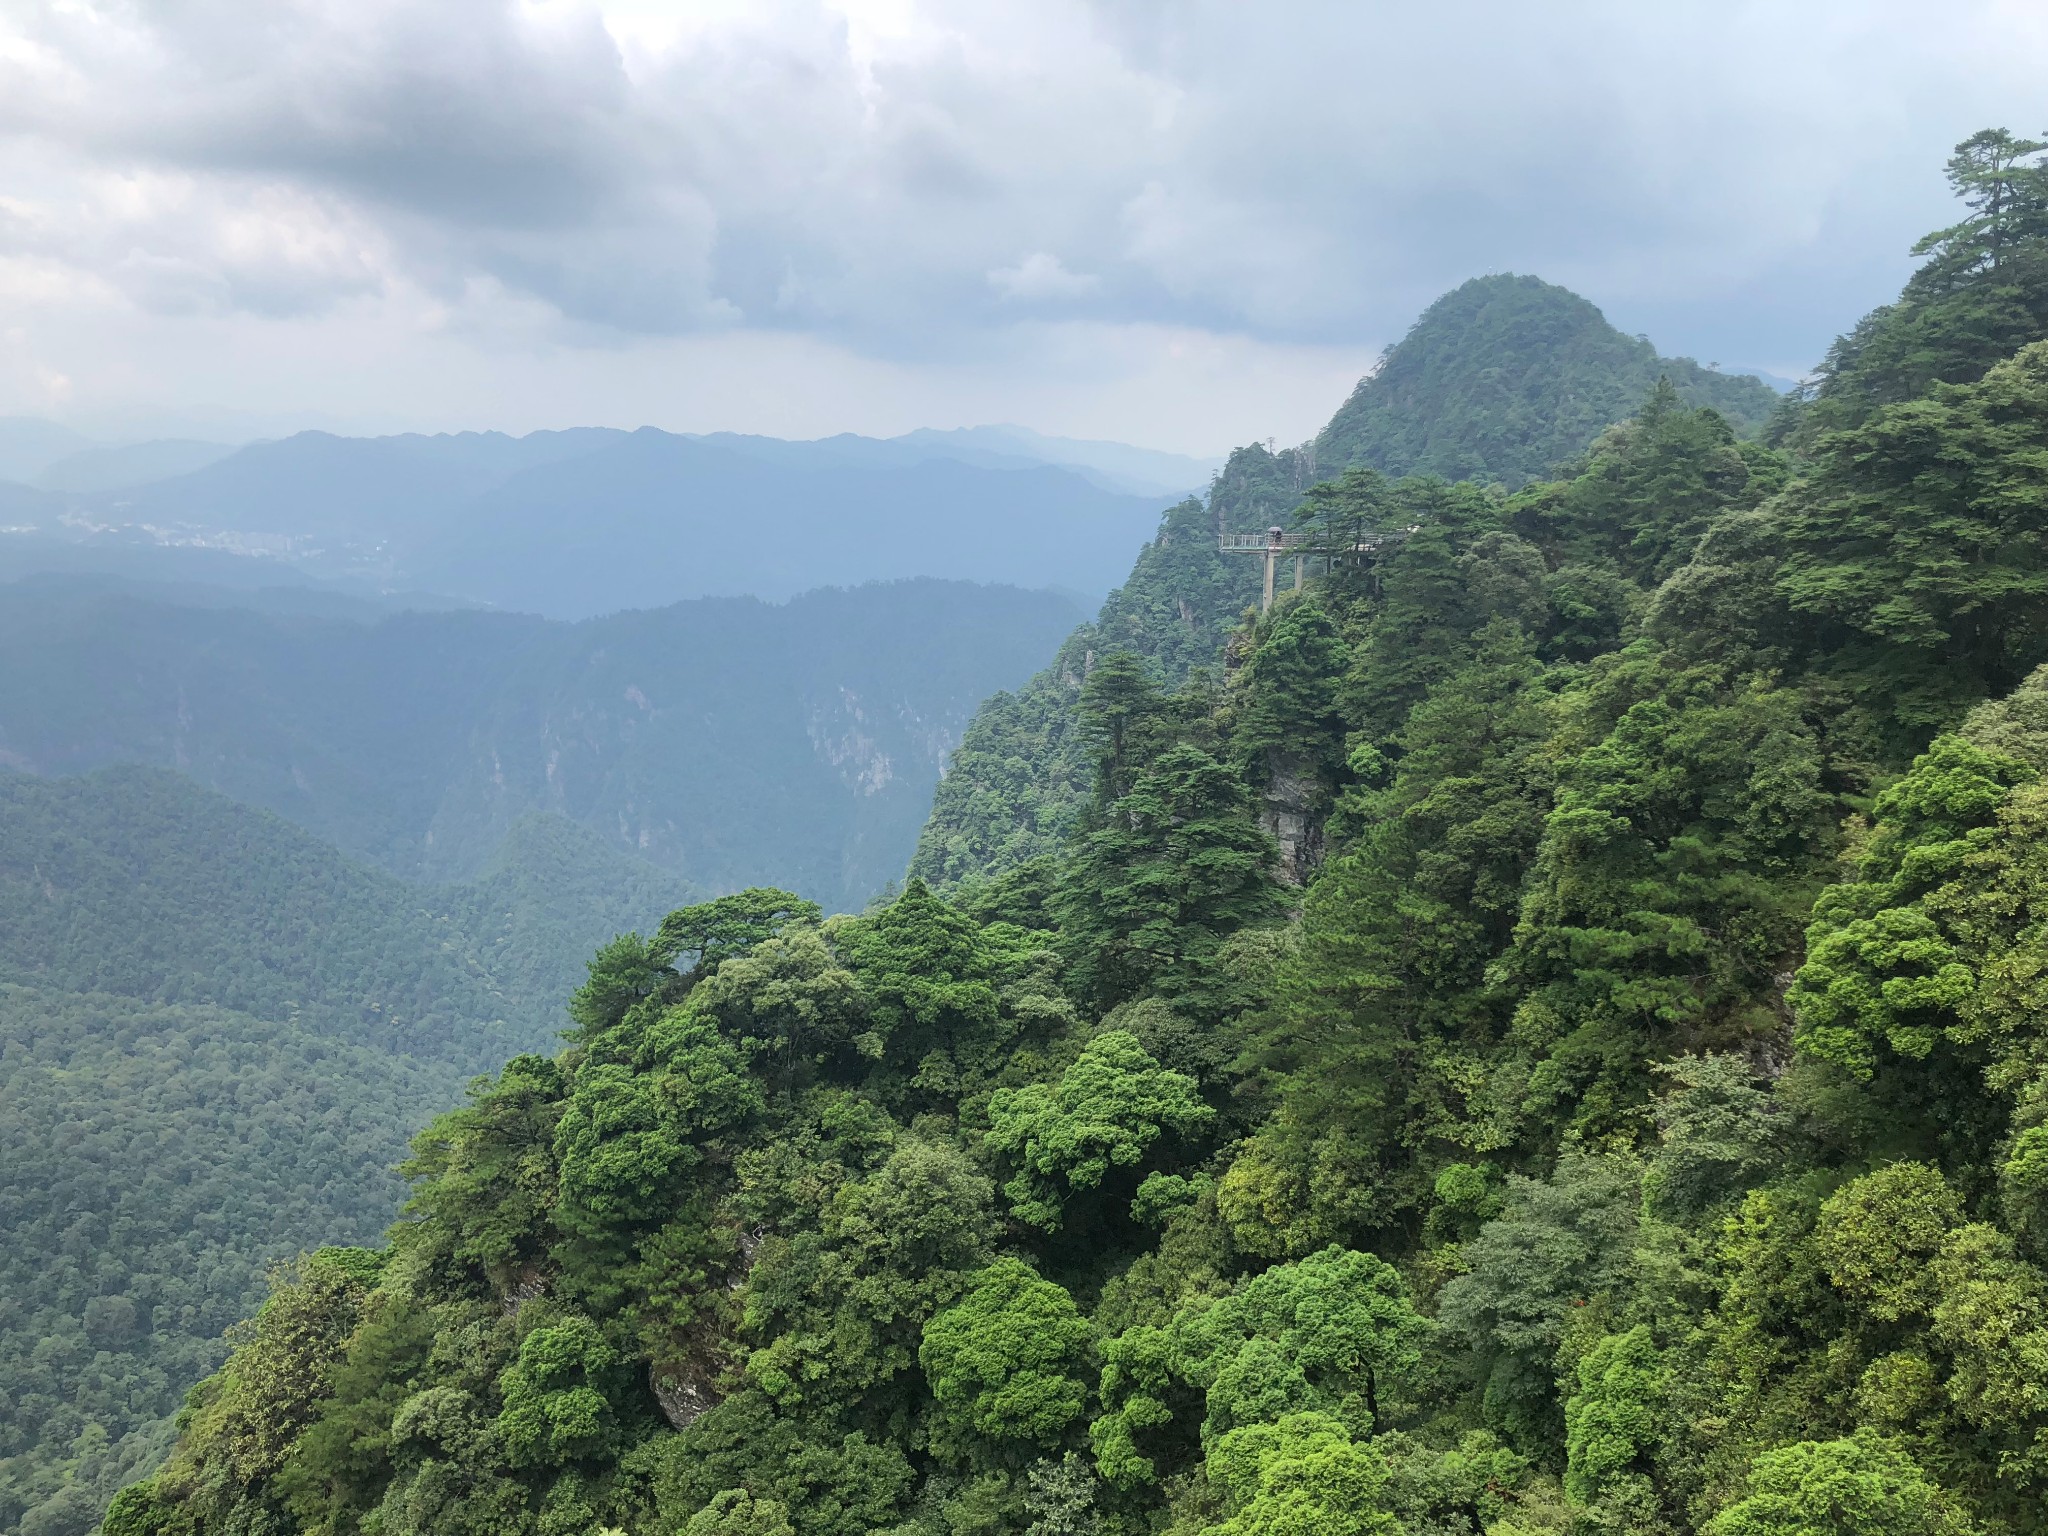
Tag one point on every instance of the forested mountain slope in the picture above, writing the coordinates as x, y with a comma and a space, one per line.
1505, 378
215, 1036
1638, 1124
1021, 774
1502, 379
730, 741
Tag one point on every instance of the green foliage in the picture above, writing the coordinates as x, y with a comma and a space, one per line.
1911, 553
1147, 897
1289, 695
158, 1159
719, 930
1301, 1475
555, 1408
1024, 773
1547, 1042
1856, 1487
1651, 486
1004, 1365
1720, 1131
1554, 1245
736, 1512
1505, 377
1106, 1112
1981, 296
1610, 1421
1334, 1334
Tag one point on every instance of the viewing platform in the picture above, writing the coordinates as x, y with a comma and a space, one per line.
1275, 542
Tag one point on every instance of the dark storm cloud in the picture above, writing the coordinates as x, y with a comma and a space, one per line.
1305, 172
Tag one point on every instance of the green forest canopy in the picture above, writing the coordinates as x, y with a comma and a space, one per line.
1639, 1123
1504, 379
216, 1034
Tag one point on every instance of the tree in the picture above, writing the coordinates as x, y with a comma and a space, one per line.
1855, 1487
1286, 712
1004, 1366
626, 971
1106, 1111
1720, 1131
1334, 1334
1424, 606
1909, 966
949, 998
838, 1312
789, 1004
2008, 203
485, 1175
1177, 864
1557, 1242
712, 931
1301, 1475
557, 1408
737, 1512
1381, 1009
1610, 1421
1650, 487
1982, 295
1879, 1235
1119, 710
1914, 551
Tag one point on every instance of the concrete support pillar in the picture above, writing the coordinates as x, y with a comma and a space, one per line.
1269, 581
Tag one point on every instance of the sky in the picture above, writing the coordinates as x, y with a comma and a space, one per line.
1181, 223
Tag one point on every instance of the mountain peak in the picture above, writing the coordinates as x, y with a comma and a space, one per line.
1505, 377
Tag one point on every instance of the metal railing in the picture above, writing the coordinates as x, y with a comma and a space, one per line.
1259, 543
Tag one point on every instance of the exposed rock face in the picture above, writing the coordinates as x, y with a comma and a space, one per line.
681, 1395
687, 1387
1291, 810
527, 1284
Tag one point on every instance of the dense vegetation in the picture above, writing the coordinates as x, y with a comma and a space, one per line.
1637, 1123
158, 1159
1018, 782
1505, 378
1502, 379
215, 1036
733, 742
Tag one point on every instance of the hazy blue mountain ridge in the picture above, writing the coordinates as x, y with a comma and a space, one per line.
131, 464
28, 445
730, 741
655, 517
577, 523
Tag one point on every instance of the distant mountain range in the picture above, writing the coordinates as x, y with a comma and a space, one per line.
576, 523
726, 740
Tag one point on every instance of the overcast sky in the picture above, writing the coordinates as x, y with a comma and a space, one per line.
1172, 222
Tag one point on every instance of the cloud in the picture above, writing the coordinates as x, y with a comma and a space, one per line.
910, 181
1041, 275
